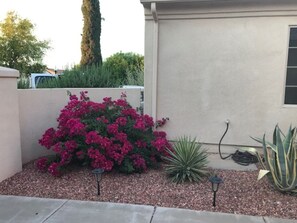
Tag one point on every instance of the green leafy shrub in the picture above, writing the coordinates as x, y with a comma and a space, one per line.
280, 160
23, 83
124, 66
186, 161
83, 77
108, 135
135, 78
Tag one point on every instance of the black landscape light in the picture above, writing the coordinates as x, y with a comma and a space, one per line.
98, 172
215, 183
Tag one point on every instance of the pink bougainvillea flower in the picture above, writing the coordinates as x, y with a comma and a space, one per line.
70, 145
61, 133
105, 143
122, 137
139, 124
107, 135
123, 95
107, 100
99, 160
159, 134
160, 144
121, 102
121, 121
48, 138
92, 137
80, 155
139, 162
102, 119
83, 96
130, 112
57, 148
73, 97
113, 129
97, 106
65, 157
148, 121
42, 164
161, 122
140, 144
54, 169
75, 126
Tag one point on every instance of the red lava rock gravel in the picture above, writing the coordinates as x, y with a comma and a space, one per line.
240, 193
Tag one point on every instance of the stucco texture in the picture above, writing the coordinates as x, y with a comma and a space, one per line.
10, 148
213, 69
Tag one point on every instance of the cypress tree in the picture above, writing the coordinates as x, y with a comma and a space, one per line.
90, 44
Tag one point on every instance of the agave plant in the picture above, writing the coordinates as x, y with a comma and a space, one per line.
186, 161
280, 160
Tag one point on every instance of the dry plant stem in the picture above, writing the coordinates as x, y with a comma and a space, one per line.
240, 193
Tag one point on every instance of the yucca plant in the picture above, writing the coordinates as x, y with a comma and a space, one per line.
186, 161
280, 160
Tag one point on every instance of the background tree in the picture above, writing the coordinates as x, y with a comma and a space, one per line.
90, 44
19, 48
128, 68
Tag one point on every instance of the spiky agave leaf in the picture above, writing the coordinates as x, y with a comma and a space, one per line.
187, 161
281, 160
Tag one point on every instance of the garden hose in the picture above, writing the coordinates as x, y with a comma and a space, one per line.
242, 158
223, 158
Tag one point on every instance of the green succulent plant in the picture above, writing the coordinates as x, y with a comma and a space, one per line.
187, 161
280, 160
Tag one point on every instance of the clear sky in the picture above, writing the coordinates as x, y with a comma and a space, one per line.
60, 22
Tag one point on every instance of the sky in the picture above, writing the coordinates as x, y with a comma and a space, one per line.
61, 22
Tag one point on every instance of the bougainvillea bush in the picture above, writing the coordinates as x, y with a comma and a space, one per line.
109, 135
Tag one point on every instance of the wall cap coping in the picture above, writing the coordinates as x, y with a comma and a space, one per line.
205, 9
8, 72
214, 3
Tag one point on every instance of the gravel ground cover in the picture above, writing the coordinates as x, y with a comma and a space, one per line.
240, 193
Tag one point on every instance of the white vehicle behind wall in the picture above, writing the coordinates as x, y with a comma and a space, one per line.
37, 78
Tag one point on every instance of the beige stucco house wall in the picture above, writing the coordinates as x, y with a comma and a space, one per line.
212, 60
10, 147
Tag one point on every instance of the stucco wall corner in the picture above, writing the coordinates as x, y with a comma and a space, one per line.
10, 143
8, 72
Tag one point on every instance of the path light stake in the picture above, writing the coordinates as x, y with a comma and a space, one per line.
215, 183
98, 172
